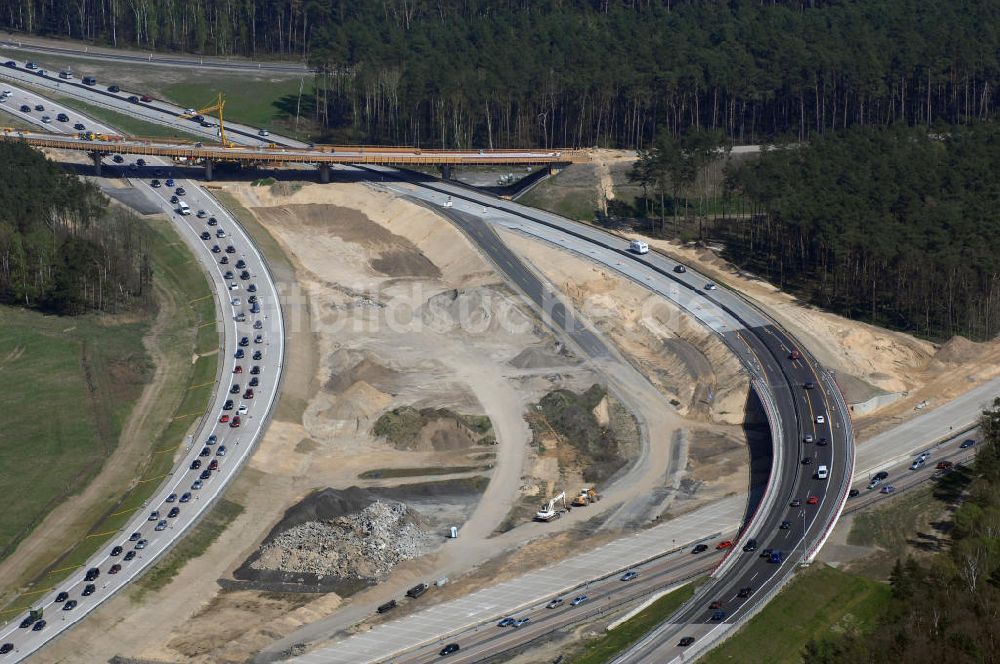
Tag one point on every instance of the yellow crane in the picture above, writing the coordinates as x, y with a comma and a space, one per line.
219, 104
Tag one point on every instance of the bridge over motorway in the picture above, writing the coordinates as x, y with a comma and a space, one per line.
99, 146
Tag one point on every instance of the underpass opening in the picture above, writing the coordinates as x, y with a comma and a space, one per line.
757, 431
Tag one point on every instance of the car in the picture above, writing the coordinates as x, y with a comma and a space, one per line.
245, 341
169, 182
114, 569
809, 385
917, 464
230, 249
240, 317
966, 444
235, 423
254, 370
39, 108
155, 184
216, 248
853, 493
718, 615
172, 514
212, 221
174, 200
205, 474
246, 395
699, 548
140, 162
38, 626
785, 525
263, 132
221, 451
578, 600
11, 64
30, 65
887, 489
62, 597
211, 440
821, 419
812, 500
680, 269
162, 525
134, 537
206, 236
822, 472
240, 354
197, 484
242, 410
924, 455
244, 275
822, 442
154, 515
79, 126
185, 497
235, 389
252, 299
116, 551
40, 72
554, 603
254, 382
807, 461
227, 406
46, 119
237, 369
114, 88
28, 622
89, 590
449, 649
253, 289
196, 464
766, 553
751, 545
133, 99
777, 557
201, 214
214, 465
521, 622
129, 555
796, 502
25, 108
745, 592
228, 275
141, 544
70, 605
240, 264
220, 233
259, 339
62, 117
710, 286
685, 641
717, 604
180, 191
808, 438
506, 622
724, 544
257, 355
205, 451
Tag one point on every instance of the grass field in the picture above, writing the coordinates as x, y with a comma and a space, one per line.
191, 333
127, 124
69, 384
817, 602
605, 647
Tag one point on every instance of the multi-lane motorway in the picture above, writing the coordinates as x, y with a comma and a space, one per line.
217, 448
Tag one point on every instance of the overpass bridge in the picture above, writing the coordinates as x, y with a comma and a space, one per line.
99, 146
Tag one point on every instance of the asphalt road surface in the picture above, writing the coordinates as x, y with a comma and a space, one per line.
231, 446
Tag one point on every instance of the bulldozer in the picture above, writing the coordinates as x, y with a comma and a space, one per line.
586, 497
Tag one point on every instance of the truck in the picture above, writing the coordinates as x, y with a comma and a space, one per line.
183, 208
638, 247
417, 590
89, 80
388, 606
586, 497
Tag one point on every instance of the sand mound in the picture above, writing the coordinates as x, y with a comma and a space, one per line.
475, 311
959, 350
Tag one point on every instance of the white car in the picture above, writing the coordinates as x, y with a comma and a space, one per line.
234, 286
821, 419
242, 410
263, 132
822, 473
237, 301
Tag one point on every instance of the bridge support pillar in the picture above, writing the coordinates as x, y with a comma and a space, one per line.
446, 171
97, 158
324, 173
208, 170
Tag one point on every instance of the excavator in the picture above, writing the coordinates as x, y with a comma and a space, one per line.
586, 497
220, 103
548, 511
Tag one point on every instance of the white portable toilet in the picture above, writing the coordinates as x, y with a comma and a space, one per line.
453, 533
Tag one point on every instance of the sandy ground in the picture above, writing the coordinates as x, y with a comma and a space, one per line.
867, 360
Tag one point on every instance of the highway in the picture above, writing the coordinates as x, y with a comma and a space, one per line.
230, 447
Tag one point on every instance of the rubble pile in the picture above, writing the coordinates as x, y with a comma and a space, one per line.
362, 545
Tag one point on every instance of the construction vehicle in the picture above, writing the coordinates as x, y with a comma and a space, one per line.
586, 497
548, 511
220, 103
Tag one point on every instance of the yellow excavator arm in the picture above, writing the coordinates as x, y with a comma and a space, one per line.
218, 106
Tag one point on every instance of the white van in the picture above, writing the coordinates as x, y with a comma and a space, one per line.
183, 208
822, 473
638, 246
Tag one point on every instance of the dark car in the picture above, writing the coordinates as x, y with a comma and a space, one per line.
699, 548
680, 269
822, 441
235, 389
807, 461
62, 117
206, 236
79, 126
244, 275
224, 260
235, 423
718, 616
685, 642
785, 525
226, 406
39, 107
140, 162
751, 545
240, 264
254, 370
114, 88
966, 444
180, 191
62, 597
155, 184
254, 382
213, 466
506, 622
185, 497
172, 498
244, 341
146, 98
221, 451
809, 386
205, 474
133, 99
28, 622
174, 511
114, 569
92, 574
11, 64
207, 451
25, 108
134, 537
240, 354
230, 249
196, 464
449, 649
6, 648
38, 626
228, 274
717, 604
212, 221
853, 493
129, 555
117, 551
70, 605
745, 592
796, 502
252, 288
766, 553
257, 355
174, 200
89, 590
216, 248
248, 394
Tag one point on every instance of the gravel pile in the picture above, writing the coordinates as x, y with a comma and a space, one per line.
363, 545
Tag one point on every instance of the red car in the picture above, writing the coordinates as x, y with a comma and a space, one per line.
248, 394
812, 500
223, 419
115, 569
237, 369
725, 544
236, 422
214, 465
146, 98
717, 604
